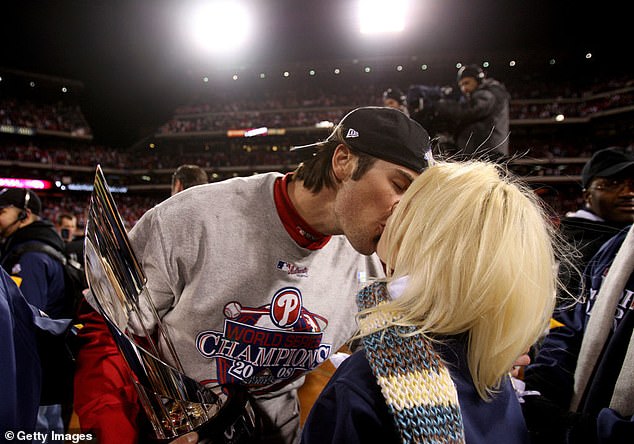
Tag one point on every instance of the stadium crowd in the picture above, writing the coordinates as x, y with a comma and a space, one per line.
535, 99
283, 113
59, 116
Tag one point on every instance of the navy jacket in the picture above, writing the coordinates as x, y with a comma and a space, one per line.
20, 365
587, 236
351, 408
20, 371
552, 372
42, 277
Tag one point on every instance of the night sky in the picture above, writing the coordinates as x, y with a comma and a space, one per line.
132, 57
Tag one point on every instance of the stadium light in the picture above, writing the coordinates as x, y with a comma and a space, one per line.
220, 26
380, 16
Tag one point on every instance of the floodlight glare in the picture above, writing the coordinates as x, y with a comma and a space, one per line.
220, 26
380, 16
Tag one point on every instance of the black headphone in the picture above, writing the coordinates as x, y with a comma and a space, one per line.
23, 214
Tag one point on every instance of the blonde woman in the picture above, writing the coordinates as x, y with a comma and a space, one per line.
470, 286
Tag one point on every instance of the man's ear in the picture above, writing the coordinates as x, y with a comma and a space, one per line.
25, 217
343, 162
587, 198
178, 186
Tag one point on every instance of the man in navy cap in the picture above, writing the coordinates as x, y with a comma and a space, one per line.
574, 347
608, 205
607, 182
39, 276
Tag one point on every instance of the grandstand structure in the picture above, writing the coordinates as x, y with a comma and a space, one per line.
243, 122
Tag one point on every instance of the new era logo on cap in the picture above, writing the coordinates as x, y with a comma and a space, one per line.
352, 133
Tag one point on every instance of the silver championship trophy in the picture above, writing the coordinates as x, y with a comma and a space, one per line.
173, 403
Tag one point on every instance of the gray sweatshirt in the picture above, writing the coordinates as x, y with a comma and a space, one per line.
242, 302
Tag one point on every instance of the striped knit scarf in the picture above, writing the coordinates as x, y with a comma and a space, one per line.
416, 385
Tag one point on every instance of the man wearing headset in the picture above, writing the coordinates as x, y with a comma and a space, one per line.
39, 276
481, 117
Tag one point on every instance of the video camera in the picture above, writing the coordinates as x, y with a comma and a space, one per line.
421, 97
421, 104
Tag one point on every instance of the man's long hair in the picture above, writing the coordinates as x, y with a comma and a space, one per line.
316, 172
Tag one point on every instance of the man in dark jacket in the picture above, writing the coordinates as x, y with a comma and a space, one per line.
481, 118
584, 370
608, 196
39, 276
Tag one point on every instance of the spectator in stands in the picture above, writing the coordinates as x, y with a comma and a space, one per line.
441, 332
187, 176
66, 225
481, 118
75, 248
608, 194
286, 252
584, 371
39, 276
73, 238
395, 98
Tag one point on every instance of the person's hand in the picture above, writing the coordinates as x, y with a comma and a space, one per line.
188, 438
519, 364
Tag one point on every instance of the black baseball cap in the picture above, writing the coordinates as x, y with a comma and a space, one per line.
17, 197
605, 163
382, 132
395, 94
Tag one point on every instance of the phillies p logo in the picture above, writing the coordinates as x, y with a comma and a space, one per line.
286, 307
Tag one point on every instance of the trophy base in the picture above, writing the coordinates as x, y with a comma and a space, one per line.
235, 423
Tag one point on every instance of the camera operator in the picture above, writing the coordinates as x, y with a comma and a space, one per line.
477, 122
